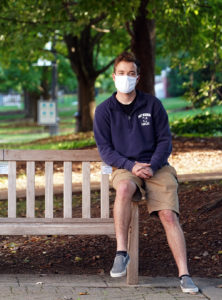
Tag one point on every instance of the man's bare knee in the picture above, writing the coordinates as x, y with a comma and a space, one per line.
168, 217
125, 189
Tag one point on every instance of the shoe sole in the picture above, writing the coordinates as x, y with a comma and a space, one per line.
115, 275
194, 290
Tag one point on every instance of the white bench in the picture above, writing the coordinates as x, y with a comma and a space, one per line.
67, 225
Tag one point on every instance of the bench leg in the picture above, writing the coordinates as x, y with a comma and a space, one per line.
133, 245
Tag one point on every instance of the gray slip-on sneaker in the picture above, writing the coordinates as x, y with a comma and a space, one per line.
187, 285
119, 266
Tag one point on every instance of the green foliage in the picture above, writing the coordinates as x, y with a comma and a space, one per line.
105, 81
206, 95
190, 33
18, 74
66, 78
175, 82
207, 124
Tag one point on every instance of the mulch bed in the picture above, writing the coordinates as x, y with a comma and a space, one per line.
201, 215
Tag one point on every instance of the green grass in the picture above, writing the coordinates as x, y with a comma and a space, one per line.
19, 116
172, 104
193, 112
10, 108
67, 101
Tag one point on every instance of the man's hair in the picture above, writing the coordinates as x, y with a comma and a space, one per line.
128, 57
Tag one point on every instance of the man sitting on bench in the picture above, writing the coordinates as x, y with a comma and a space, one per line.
132, 134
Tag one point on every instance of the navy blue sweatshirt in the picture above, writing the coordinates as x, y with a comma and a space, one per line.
143, 136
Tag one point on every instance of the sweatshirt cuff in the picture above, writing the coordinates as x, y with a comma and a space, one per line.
129, 165
154, 167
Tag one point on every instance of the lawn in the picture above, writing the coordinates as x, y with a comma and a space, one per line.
16, 132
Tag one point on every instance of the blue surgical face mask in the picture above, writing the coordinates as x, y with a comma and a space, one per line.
125, 84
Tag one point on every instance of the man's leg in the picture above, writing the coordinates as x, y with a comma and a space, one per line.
176, 241
122, 214
175, 238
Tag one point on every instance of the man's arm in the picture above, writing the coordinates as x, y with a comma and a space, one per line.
102, 133
163, 139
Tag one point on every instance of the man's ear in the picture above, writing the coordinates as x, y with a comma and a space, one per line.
113, 75
138, 79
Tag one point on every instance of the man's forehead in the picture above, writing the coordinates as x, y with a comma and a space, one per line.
126, 65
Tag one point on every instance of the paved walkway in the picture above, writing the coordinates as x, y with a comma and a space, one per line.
94, 287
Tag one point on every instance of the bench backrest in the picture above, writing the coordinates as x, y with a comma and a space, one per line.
50, 156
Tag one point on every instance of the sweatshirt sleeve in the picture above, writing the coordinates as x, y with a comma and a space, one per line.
103, 137
163, 139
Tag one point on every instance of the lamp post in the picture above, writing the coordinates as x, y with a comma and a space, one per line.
54, 129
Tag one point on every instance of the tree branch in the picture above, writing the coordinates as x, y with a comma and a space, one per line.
66, 6
98, 19
100, 29
129, 30
14, 20
109, 64
97, 38
104, 68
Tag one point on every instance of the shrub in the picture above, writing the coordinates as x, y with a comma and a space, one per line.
207, 124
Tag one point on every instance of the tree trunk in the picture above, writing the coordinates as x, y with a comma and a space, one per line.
33, 98
81, 56
26, 104
86, 97
142, 45
81, 59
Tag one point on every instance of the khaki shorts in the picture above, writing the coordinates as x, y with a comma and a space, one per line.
159, 190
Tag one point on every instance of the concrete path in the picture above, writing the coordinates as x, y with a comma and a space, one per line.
94, 287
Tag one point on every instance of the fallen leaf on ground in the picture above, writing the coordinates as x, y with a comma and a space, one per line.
83, 293
77, 258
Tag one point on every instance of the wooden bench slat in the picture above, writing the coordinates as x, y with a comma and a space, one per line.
48, 189
67, 194
1, 154
30, 191
83, 227
12, 189
55, 220
104, 195
52, 155
86, 195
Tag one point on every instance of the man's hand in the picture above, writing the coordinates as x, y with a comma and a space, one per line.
142, 170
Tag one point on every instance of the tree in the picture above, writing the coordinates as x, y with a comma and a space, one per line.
86, 29
34, 81
80, 25
191, 34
